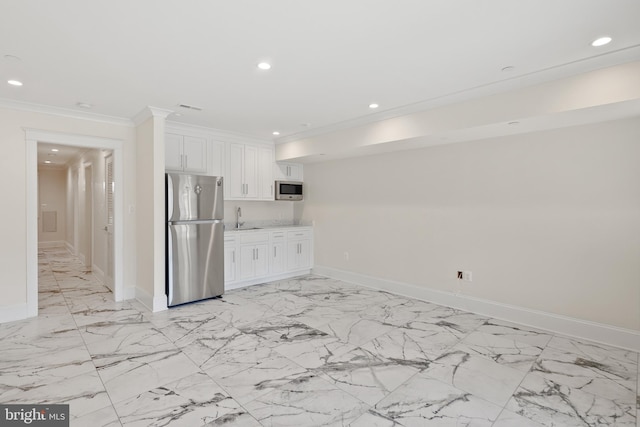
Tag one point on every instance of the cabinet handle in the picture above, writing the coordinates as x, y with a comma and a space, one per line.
181, 161
186, 162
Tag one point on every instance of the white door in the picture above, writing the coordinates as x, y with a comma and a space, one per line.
109, 190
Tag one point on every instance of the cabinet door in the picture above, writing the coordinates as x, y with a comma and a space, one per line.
195, 154
247, 259
261, 261
250, 169
289, 171
229, 264
277, 257
234, 171
265, 172
173, 152
304, 254
292, 255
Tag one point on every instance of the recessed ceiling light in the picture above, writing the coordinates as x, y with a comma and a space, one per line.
276, 133
508, 68
47, 161
514, 123
55, 150
14, 82
372, 106
84, 105
601, 41
264, 66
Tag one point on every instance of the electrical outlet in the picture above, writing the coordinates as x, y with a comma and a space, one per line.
346, 256
467, 276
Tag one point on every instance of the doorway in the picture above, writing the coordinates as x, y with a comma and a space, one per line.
33, 137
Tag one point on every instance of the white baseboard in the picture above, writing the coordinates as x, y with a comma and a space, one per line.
98, 273
11, 313
273, 278
129, 292
153, 304
52, 244
598, 332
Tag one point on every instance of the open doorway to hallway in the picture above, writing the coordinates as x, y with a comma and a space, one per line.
75, 213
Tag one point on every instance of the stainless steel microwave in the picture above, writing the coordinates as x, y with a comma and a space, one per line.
289, 190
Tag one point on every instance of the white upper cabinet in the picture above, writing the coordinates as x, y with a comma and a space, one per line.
249, 172
185, 154
288, 171
266, 157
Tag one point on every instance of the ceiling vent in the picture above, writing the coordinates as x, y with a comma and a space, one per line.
190, 107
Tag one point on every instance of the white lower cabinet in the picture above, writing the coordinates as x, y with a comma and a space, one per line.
299, 250
253, 254
257, 256
277, 256
230, 257
253, 261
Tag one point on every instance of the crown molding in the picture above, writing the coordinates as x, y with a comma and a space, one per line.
147, 112
63, 112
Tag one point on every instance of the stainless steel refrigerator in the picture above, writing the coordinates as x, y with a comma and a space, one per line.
195, 237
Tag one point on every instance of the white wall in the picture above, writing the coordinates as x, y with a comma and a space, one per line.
547, 221
52, 196
13, 258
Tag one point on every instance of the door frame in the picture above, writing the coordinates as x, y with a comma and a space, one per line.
32, 138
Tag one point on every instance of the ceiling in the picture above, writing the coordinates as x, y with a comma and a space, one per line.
330, 59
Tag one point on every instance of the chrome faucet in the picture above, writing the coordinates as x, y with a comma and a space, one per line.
238, 215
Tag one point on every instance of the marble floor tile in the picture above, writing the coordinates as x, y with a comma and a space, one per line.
515, 332
606, 377
552, 404
509, 419
365, 375
83, 393
474, 374
260, 379
355, 330
194, 400
306, 351
307, 401
500, 349
239, 418
424, 401
105, 417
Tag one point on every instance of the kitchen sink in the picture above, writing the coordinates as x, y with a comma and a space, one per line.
248, 228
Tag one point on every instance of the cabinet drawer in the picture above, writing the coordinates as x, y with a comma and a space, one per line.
277, 235
254, 237
299, 234
229, 240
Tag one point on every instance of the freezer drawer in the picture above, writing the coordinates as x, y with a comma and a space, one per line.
195, 261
